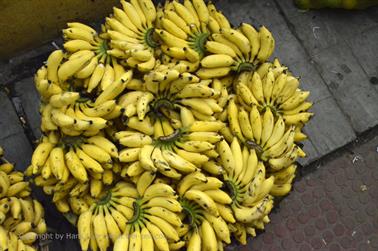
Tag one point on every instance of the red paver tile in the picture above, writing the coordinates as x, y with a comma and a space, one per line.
346, 242
325, 205
288, 244
320, 224
333, 208
309, 230
280, 231
331, 217
334, 247
268, 238
305, 247
303, 217
338, 230
317, 243
327, 236
298, 237
314, 211
292, 224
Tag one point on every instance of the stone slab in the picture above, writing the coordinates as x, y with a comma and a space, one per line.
29, 98
12, 138
320, 29
364, 48
349, 85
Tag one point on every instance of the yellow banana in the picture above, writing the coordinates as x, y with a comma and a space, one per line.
226, 213
267, 44
15, 207
144, 181
245, 124
194, 241
111, 225
77, 45
220, 227
267, 126
168, 230
232, 112
64, 99
248, 214
100, 231
219, 196
277, 133
87, 70
40, 156
268, 86
105, 144
89, 162
114, 89
208, 73
70, 67
177, 162
168, 203
159, 190
149, 11
122, 243
226, 156
217, 60
53, 62
253, 36
238, 39
204, 200
280, 190
194, 178
256, 123
97, 153
210, 243
17, 188
75, 166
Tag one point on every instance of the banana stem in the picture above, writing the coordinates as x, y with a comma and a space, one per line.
4, 160
149, 38
105, 199
138, 212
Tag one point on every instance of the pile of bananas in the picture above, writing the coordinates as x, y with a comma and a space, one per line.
169, 129
21, 217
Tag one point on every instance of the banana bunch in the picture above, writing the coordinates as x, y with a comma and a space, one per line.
75, 115
246, 183
136, 217
271, 86
12, 183
131, 34
204, 204
47, 88
87, 57
283, 180
21, 223
169, 151
100, 71
183, 31
237, 50
21, 217
172, 155
71, 166
269, 135
166, 91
